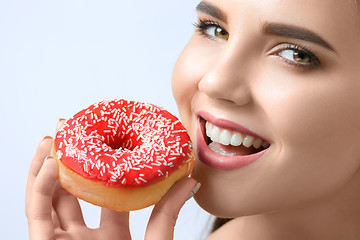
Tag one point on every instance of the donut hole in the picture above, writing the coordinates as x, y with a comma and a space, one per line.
114, 144
122, 142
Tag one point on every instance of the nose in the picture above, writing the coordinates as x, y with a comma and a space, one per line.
226, 79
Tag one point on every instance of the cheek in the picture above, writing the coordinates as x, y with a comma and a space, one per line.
316, 135
317, 122
189, 70
184, 86
316, 115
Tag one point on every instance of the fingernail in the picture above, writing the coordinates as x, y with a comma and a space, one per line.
61, 119
48, 157
47, 137
195, 190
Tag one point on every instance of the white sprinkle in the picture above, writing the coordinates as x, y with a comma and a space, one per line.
142, 179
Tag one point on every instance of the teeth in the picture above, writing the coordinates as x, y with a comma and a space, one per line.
215, 134
236, 139
208, 128
224, 138
228, 137
265, 145
257, 143
248, 141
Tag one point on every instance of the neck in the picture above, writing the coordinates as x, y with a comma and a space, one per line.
330, 218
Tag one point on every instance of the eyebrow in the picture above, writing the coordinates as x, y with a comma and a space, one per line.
276, 29
294, 32
211, 10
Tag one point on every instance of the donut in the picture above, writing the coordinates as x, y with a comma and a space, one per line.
123, 155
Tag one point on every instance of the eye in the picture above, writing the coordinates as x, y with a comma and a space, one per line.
217, 31
298, 56
211, 30
295, 56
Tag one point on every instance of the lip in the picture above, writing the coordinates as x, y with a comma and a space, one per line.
218, 161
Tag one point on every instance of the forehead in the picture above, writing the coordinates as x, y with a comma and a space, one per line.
338, 21
350, 8
328, 10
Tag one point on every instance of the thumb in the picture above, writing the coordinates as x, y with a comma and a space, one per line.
164, 215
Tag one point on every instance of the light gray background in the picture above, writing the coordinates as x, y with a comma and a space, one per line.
58, 56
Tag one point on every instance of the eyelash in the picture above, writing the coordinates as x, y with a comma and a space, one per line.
314, 61
203, 24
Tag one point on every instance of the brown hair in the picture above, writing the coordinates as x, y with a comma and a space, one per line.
218, 222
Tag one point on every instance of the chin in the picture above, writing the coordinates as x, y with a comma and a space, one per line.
217, 197
226, 195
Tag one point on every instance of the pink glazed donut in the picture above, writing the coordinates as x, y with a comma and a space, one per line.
123, 155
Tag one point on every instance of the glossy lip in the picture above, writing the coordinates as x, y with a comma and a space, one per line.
218, 161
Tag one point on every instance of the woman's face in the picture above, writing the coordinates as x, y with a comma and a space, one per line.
284, 73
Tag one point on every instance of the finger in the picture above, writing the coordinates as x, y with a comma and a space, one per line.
163, 218
60, 124
55, 219
116, 223
65, 204
113, 218
67, 208
42, 151
40, 207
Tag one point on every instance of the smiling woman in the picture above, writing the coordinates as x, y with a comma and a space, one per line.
284, 73
269, 93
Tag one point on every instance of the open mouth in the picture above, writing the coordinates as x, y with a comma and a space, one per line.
229, 142
225, 145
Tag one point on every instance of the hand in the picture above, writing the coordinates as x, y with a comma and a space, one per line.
53, 213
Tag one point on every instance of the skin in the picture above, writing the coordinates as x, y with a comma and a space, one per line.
307, 182
306, 185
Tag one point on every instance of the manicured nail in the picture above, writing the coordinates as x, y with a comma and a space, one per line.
61, 119
195, 190
47, 137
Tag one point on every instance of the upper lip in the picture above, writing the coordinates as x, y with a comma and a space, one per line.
228, 124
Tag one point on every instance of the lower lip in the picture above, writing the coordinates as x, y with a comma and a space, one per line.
221, 162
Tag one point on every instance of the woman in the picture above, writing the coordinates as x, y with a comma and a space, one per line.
269, 92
